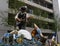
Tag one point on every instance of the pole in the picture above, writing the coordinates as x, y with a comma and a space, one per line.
57, 32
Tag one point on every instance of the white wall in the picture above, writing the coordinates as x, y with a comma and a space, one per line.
3, 11
4, 5
56, 7
59, 36
3, 15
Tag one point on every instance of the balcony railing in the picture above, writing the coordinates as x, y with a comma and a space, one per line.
37, 5
34, 16
44, 3
49, 1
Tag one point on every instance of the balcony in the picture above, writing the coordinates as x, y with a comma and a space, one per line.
37, 5
34, 16
49, 1
42, 18
44, 3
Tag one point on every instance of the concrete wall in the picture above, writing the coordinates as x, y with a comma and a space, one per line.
3, 15
3, 11
36, 5
59, 36
56, 7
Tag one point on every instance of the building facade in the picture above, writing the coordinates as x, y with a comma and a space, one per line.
42, 10
56, 6
3, 16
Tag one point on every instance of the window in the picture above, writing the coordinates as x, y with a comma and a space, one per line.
50, 15
11, 20
30, 0
30, 11
52, 26
50, 0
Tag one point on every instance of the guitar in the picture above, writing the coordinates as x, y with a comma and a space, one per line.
20, 20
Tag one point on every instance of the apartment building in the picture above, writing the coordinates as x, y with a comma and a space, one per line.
42, 10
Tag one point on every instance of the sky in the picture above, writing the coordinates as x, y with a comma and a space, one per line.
59, 4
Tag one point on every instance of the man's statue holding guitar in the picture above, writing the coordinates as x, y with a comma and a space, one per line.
21, 17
